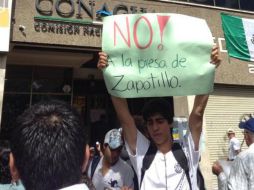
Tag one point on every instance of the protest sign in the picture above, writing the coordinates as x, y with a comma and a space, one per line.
157, 55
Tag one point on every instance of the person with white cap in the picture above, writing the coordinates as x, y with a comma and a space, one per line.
111, 172
234, 145
241, 175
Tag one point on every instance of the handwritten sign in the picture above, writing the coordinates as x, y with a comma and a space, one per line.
157, 55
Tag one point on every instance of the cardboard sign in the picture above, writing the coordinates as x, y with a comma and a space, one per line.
157, 55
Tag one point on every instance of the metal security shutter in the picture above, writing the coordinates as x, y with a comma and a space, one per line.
225, 107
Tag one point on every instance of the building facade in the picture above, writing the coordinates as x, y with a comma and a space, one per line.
54, 50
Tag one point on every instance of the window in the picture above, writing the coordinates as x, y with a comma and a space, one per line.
204, 2
247, 5
234, 4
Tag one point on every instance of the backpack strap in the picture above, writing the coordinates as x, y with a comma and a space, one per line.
182, 160
147, 160
95, 162
200, 180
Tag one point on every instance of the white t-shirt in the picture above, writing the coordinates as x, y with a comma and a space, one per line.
164, 171
119, 175
234, 145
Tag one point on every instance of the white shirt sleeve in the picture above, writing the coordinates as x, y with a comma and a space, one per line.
237, 178
189, 144
222, 181
236, 145
193, 157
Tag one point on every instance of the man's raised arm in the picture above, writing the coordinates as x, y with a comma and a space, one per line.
196, 116
122, 110
126, 121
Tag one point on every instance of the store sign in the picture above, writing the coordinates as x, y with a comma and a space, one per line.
82, 7
78, 17
69, 29
251, 68
5, 20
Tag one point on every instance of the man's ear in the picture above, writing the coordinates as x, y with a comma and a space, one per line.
86, 158
13, 169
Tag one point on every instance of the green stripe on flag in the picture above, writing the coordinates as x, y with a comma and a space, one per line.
235, 37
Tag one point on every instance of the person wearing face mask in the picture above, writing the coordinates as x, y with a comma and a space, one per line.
111, 172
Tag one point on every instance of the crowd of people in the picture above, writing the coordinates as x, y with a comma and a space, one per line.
49, 150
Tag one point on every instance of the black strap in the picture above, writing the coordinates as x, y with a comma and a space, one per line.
182, 160
148, 158
200, 180
95, 162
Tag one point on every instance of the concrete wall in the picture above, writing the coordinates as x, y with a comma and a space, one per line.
25, 14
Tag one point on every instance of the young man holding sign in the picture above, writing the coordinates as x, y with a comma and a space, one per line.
164, 172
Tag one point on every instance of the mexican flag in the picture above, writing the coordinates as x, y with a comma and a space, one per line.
239, 36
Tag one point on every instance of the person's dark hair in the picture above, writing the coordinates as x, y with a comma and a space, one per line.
158, 106
48, 146
5, 175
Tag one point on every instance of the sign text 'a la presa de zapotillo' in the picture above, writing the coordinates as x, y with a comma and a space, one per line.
157, 55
